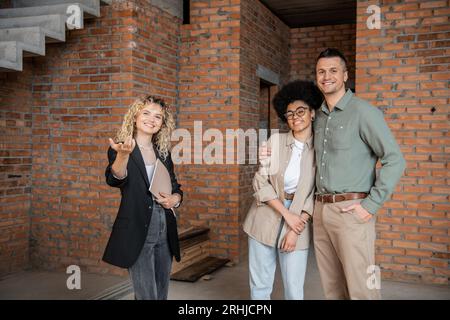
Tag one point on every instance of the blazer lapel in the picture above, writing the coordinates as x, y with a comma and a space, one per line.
301, 179
155, 150
279, 165
284, 153
139, 161
305, 173
158, 156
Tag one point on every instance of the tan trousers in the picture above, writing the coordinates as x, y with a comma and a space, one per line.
345, 252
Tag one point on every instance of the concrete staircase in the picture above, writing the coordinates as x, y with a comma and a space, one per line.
30, 24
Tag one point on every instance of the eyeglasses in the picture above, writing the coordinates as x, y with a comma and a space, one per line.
299, 112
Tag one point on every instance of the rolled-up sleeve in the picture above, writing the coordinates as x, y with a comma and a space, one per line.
264, 191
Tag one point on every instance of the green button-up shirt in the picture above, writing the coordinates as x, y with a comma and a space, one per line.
348, 143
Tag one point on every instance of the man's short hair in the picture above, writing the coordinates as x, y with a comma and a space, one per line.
332, 53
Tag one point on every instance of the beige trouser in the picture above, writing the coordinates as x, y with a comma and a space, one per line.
345, 252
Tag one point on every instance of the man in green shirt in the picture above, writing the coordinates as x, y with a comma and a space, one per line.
350, 136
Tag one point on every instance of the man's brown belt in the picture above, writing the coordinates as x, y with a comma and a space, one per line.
332, 198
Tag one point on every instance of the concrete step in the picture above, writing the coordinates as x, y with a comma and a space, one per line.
31, 35
86, 10
10, 56
12, 53
32, 38
53, 24
30, 24
8, 50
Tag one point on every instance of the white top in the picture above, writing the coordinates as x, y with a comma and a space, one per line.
150, 169
292, 173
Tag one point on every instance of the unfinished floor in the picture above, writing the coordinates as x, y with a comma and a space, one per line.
228, 283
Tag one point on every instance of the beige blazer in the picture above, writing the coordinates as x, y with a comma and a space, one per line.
262, 222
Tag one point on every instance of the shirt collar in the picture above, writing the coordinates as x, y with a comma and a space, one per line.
342, 103
291, 140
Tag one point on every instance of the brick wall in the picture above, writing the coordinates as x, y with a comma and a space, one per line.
57, 114
307, 43
81, 90
209, 92
403, 68
15, 169
264, 42
156, 34
220, 51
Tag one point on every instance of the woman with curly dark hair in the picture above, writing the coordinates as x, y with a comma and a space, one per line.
278, 223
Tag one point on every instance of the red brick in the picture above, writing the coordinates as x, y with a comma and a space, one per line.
405, 244
406, 260
433, 246
423, 41
418, 253
433, 231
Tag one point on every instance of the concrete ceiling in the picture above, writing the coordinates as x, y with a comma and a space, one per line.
308, 13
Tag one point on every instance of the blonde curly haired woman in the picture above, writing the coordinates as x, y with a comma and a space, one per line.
144, 236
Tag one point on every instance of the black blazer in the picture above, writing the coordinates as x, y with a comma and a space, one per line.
133, 219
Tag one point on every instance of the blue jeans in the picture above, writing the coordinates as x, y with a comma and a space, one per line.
262, 266
150, 274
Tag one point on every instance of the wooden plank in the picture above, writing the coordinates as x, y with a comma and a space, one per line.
185, 244
191, 255
194, 246
198, 247
177, 266
192, 232
193, 272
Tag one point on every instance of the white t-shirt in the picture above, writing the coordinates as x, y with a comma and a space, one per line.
150, 169
292, 173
